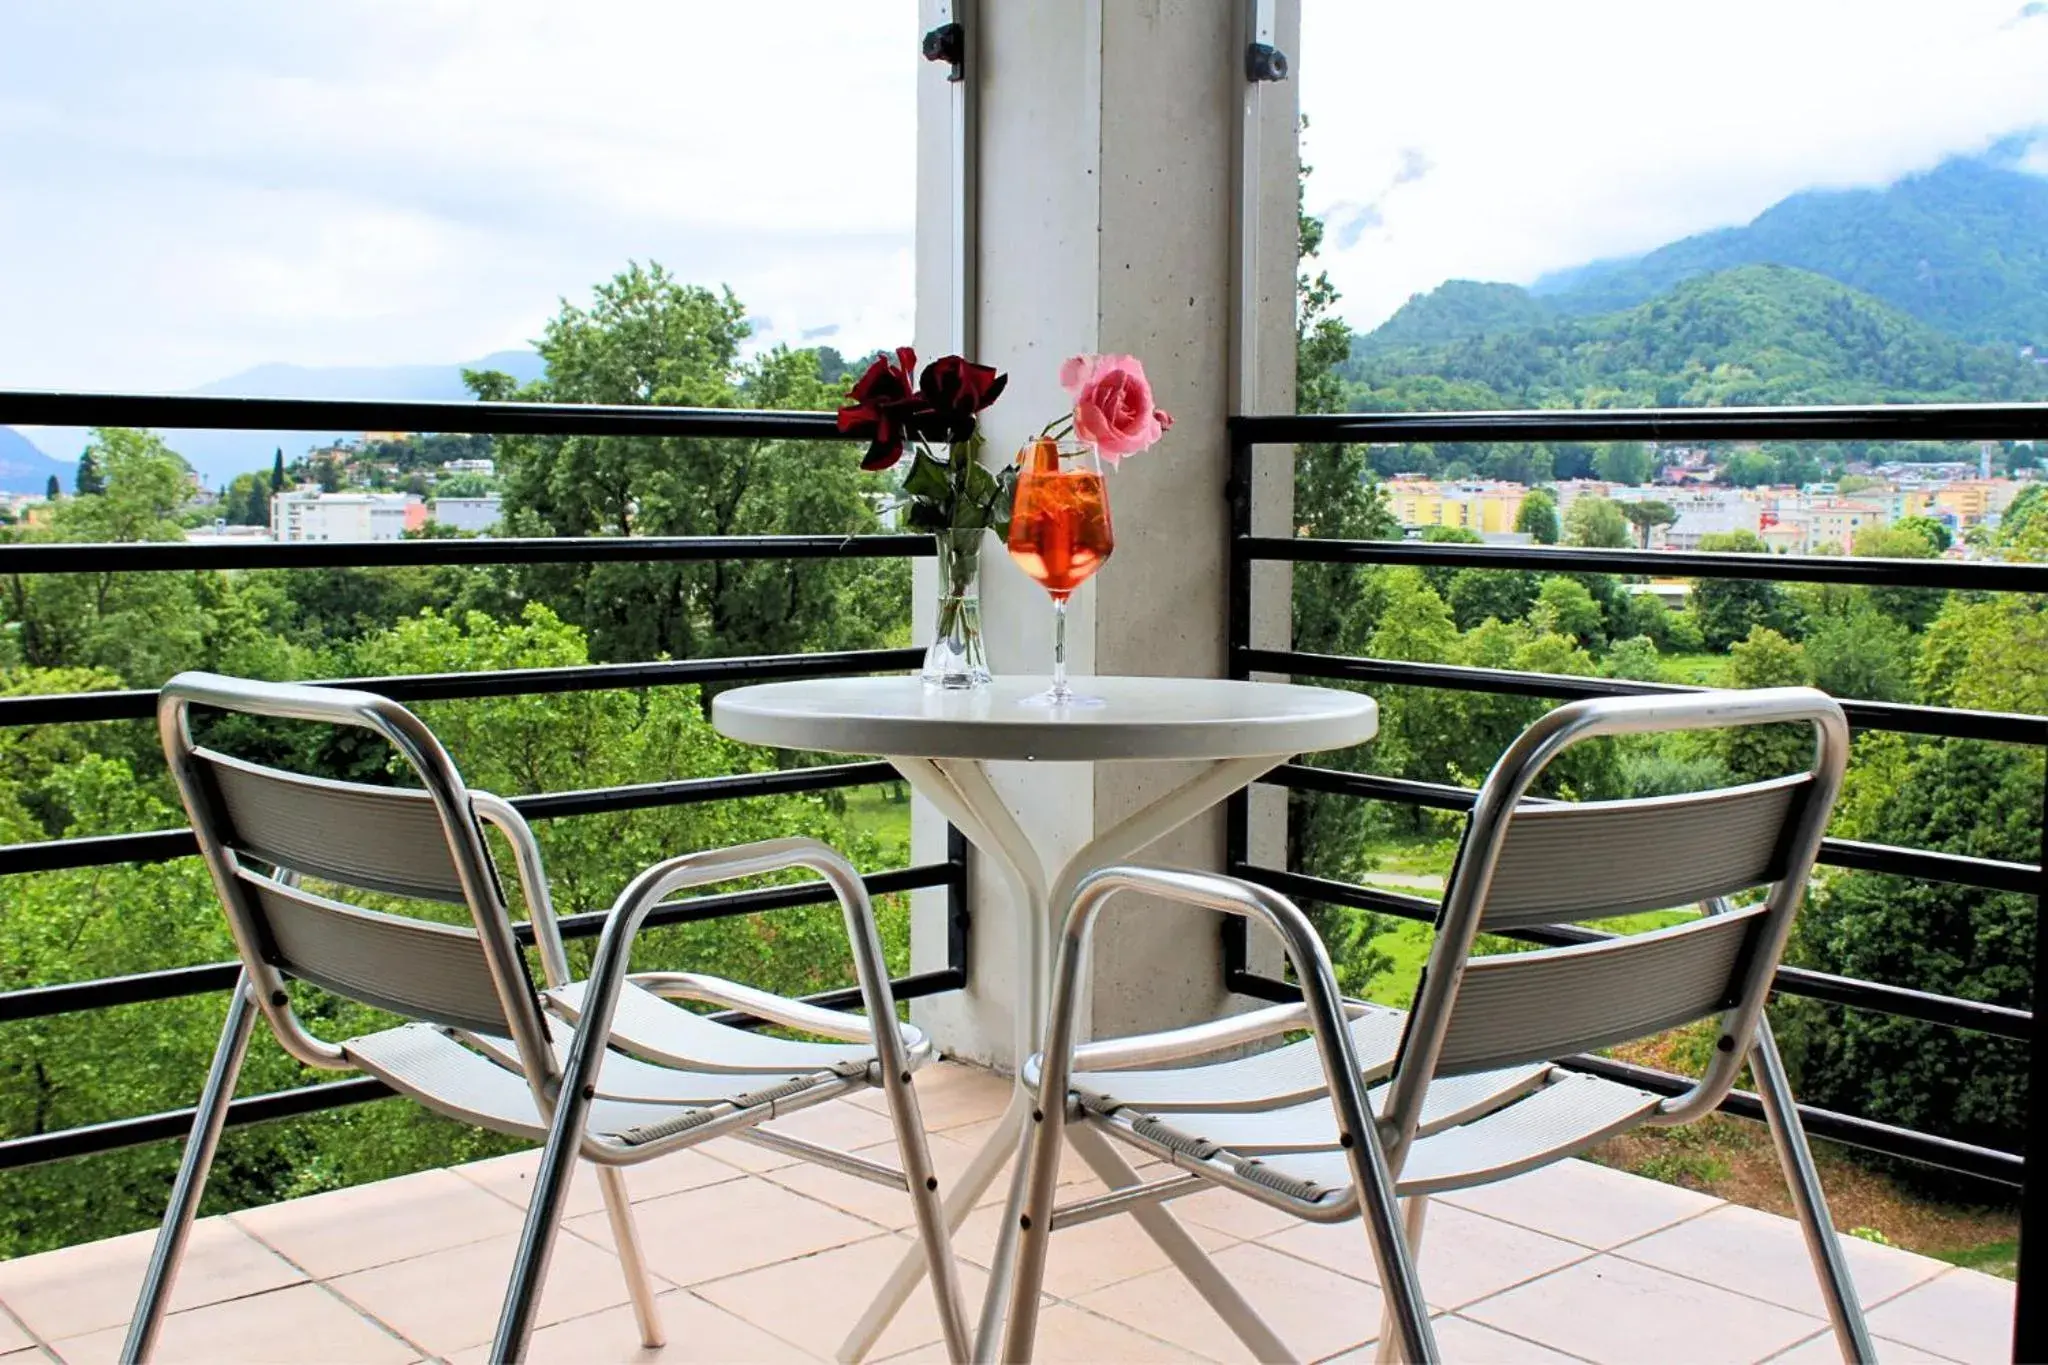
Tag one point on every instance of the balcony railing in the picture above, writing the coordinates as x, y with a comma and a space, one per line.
484, 418
1884, 423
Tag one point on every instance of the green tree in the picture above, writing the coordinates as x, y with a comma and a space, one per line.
247, 500
1929, 530
1624, 462
53, 490
648, 338
1749, 469
1477, 595
1537, 516
1755, 752
1564, 607
1597, 523
89, 481
1728, 609
277, 471
1647, 516
1864, 654
1912, 607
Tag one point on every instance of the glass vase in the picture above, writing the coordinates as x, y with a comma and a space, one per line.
957, 660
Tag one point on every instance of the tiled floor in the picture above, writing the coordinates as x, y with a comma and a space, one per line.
764, 1259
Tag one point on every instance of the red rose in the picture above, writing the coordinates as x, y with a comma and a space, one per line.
883, 408
954, 390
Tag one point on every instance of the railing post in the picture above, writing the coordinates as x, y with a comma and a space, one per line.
1237, 810
2030, 1322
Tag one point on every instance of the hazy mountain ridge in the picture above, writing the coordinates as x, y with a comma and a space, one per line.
24, 468
1963, 247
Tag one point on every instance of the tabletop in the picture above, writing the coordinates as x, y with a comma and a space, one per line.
1140, 718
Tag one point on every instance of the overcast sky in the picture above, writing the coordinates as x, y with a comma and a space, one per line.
186, 191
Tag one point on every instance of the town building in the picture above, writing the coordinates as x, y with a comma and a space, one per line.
469, 514
310, 515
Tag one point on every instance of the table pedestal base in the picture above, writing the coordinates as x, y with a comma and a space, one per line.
962, 792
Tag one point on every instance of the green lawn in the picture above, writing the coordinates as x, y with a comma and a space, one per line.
1700, 670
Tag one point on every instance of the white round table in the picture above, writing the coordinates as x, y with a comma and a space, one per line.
940, 741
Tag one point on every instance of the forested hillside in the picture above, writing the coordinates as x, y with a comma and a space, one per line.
1759, 334
1963, 247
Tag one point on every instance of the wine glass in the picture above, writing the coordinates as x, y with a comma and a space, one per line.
1060, 535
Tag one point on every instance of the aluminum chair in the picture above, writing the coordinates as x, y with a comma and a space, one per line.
1475, 1084
635, 1079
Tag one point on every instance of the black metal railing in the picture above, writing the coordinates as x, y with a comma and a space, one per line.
536, 419
1882, 423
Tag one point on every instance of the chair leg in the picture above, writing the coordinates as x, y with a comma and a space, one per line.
1823, 1245
1413, 1210
618, 1208
921, 1180
169, 1252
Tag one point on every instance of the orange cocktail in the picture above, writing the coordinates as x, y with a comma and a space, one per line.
1060, 533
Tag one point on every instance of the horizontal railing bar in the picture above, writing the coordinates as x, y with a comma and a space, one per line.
1845, 422
38, 1002
197, 412
1869, 1134
72, 708
1941, 721
156, 846
172, 556
1981, 575
1989, 874
176, 1124
1902, 1002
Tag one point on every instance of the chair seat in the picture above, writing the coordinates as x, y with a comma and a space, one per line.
1283, 1076
637, 1102
1475, 1128
649, 1027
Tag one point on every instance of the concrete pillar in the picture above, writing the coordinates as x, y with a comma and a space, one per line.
1108, 132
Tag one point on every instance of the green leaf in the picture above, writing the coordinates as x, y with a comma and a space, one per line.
926, 480
927, 516
1000, 507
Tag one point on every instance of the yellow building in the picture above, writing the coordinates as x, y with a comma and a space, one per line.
1487, 509
1834, 524
1969, 501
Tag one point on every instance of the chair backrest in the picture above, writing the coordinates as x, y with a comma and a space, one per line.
1526, 863
264, 830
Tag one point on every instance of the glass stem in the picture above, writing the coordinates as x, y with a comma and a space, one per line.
1059, 646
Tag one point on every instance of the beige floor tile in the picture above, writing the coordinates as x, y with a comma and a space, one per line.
1963, 1314
1581, 1202
83, 1288
1608, 1309
13, 1336
1316, 1312
891, 1208
723, 1229
948, 1096
28, 1355
698, 1334
301, 1323
1086, 1257
837, 1124
1230, 1212
1465, 1255
1820, 1349
1764, 1256
815, 1301
1461, 1341
447, 1300
745, 1156
392, 1220
511, 1178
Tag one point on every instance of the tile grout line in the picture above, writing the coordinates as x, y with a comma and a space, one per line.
324, 1288
35, 1337
1532, 1341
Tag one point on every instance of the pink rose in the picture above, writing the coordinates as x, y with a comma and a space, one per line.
1113, 408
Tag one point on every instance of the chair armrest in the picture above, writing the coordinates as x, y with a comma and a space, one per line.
776, 1009
1173, 1045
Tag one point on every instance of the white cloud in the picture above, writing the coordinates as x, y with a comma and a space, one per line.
1560, 132
186, 191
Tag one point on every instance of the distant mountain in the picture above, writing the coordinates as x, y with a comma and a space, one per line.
24, 468
1963, 247
220, 455
1457, 309
1756, 334
412, 383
